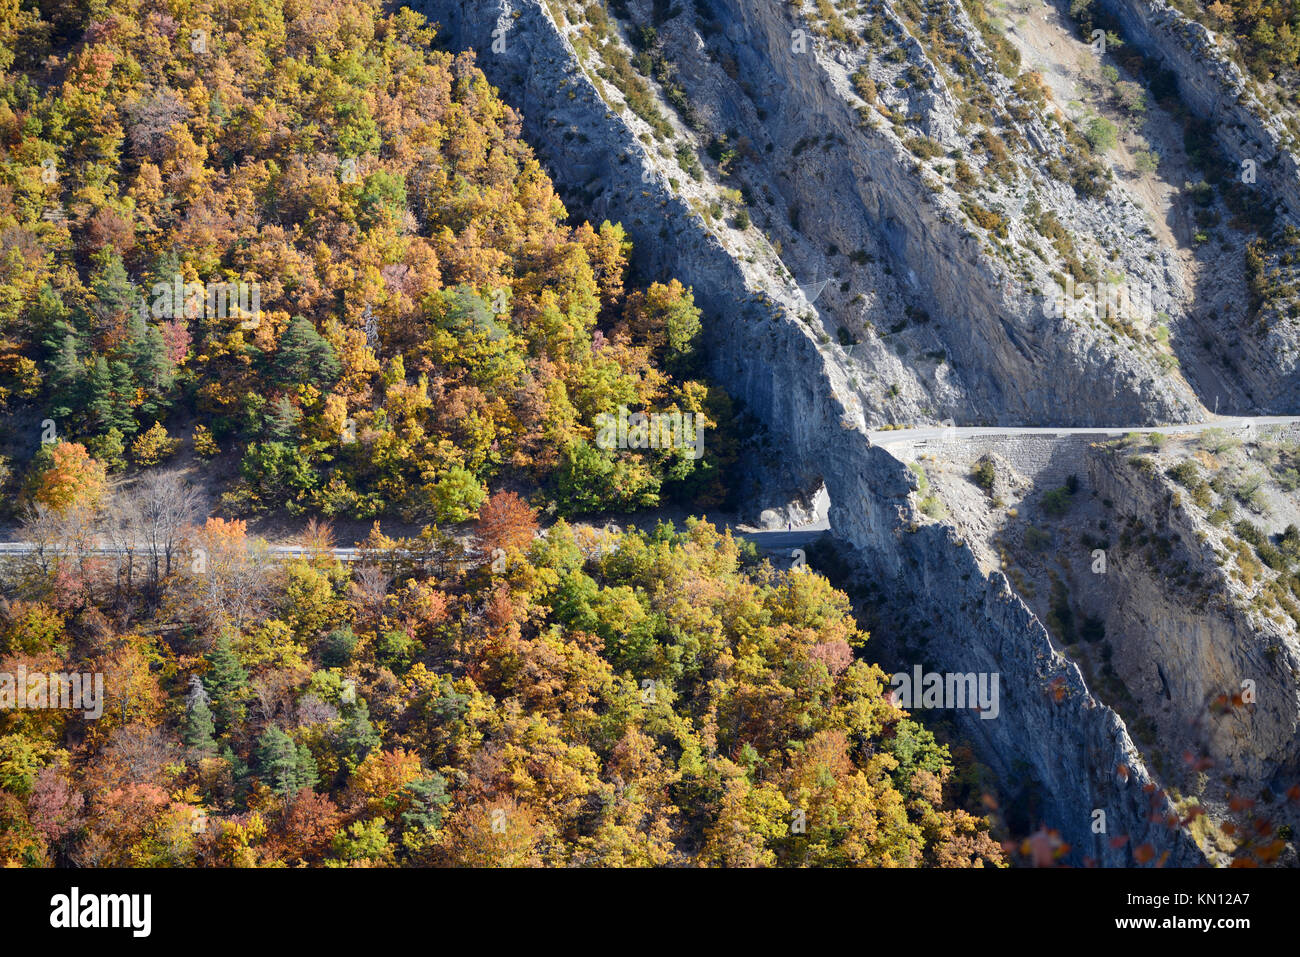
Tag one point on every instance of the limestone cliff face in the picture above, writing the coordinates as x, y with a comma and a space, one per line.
1050, 728
1181, 631
1205, 645
985, 305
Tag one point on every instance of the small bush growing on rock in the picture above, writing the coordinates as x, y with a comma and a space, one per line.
922, 480
1249, 492
986, 218
924, 147
966, 177
1268, 553
1143, 463
688, 161
865, 85
1060, 618
934, 508
1057, 502
984, 475
1218, 441
1101, 134
1131, 96
1037, 539
1290, 544
1186, 474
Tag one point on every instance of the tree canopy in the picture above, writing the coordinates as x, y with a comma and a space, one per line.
595, 698
303, 225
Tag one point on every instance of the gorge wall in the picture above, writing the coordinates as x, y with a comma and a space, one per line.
1176, 648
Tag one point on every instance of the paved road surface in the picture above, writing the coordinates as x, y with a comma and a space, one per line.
783, 541
1228, 423
279, 551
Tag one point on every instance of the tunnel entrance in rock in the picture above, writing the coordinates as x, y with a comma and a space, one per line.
807, 511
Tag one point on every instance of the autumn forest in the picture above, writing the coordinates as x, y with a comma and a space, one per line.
294, 259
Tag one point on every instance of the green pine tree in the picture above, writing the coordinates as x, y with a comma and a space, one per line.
277, 760
197, 731
111, 293
304, 357
109, 390
227, 681
286, 768
428, 803
50, 319
151, 366
66, 374
283, 422
163, 272
358, 736
307, 772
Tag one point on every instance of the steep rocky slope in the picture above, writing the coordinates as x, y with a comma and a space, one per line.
1164, 567
1246, 214
1213, 86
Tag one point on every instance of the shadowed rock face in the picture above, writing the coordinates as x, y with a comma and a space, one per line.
1050, 729
1205, 647
1175, 648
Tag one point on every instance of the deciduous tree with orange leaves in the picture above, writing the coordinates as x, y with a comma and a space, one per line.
506, 521
66, 477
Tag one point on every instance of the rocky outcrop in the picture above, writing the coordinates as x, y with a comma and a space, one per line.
1264, 346
1176, 648
982, 299
1045, 460
1051, 729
